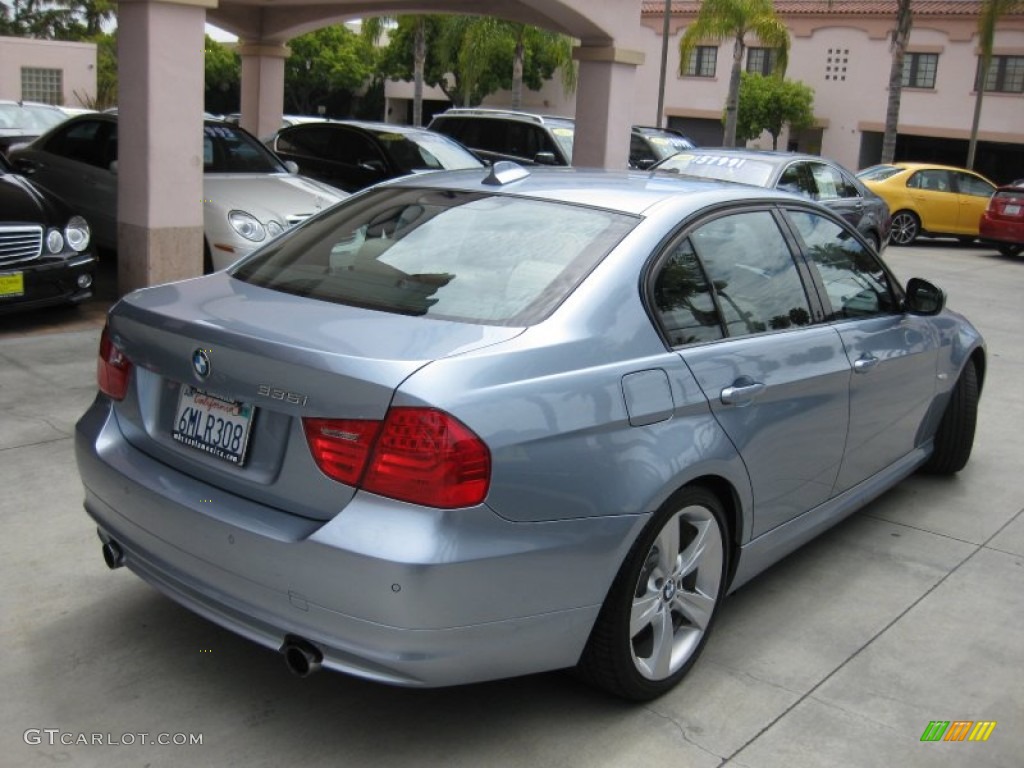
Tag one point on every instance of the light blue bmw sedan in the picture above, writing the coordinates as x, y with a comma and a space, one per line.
471, 425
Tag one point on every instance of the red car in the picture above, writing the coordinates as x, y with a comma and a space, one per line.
1003, 221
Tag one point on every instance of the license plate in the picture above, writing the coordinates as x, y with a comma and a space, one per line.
1011, 210
12, 284
212, 424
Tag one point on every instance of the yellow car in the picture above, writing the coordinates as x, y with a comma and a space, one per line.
930, 199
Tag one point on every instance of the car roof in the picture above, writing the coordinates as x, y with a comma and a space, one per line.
631, 192
931, 166
506, 114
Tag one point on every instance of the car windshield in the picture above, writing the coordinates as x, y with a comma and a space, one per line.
724, 167
15, 116
564, 132
878, 172
665, 144
44, 116
465, 256
229, 149
425, 152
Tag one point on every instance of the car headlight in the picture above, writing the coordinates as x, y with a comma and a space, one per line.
274, 229
54, 241
247, 225
77, 233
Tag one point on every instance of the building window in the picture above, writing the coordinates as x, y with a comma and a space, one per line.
836, 63
701, 62
45, 85
1005, 74
919, 70
761, 61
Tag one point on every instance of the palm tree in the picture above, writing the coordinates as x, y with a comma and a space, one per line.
374, 26
898, 46
524, 39
991, 11
720, 20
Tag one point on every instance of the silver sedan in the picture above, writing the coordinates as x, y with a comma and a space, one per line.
486, 423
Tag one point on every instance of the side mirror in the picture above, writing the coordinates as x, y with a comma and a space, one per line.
923, 298
291, 166
545, 158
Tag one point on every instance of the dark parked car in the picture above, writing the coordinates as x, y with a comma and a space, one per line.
530, 139
476, 424
814, 177
1002, 222
44, 247
249, 195
351, 155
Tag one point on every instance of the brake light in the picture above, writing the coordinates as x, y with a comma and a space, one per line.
340, 447
419, 455
113, 368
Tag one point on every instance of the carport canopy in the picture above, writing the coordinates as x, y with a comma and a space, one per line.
160, 68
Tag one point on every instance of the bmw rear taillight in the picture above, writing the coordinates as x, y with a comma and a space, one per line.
420, 455
113, 368
341, 447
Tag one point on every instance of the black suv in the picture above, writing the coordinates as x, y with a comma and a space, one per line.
529, 139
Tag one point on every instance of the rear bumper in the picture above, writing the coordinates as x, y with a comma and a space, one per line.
387, 591
1000, 231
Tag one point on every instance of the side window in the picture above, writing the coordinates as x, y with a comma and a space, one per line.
682, 298
85, 142
830, 182
794, 180
755, 280
313, 141
972, 185
854, 279
931, 181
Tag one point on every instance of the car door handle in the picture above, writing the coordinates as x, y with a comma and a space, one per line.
865, 363
742, 393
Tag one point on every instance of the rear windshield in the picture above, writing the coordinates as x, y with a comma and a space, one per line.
724, 167
465, 256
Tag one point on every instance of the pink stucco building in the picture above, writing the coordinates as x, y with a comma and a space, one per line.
50, 71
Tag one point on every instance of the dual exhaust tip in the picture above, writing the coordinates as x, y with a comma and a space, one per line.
300, 656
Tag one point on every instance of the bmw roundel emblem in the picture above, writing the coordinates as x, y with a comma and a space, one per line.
201, 363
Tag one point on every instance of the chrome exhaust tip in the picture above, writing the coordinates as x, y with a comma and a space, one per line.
113, 555
301, 656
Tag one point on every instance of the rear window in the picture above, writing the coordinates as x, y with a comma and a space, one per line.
464, 256
724, 167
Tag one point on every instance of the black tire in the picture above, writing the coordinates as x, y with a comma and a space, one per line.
689, 536
955, 436
1011, 249
905, 228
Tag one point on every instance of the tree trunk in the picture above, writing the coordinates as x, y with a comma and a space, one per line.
419, 64
517, 75
972, 146
732, 101
900, 36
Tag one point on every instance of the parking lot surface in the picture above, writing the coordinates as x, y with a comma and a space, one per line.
908, 612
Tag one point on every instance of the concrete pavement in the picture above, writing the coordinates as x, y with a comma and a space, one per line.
910, 611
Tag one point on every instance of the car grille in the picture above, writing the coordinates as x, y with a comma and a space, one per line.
19, 244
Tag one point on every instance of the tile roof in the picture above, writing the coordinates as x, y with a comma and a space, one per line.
838, 7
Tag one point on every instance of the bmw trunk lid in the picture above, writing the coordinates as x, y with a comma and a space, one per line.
262, 359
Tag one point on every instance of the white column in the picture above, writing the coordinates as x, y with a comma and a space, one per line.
160, 147
262, 86
604, 105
